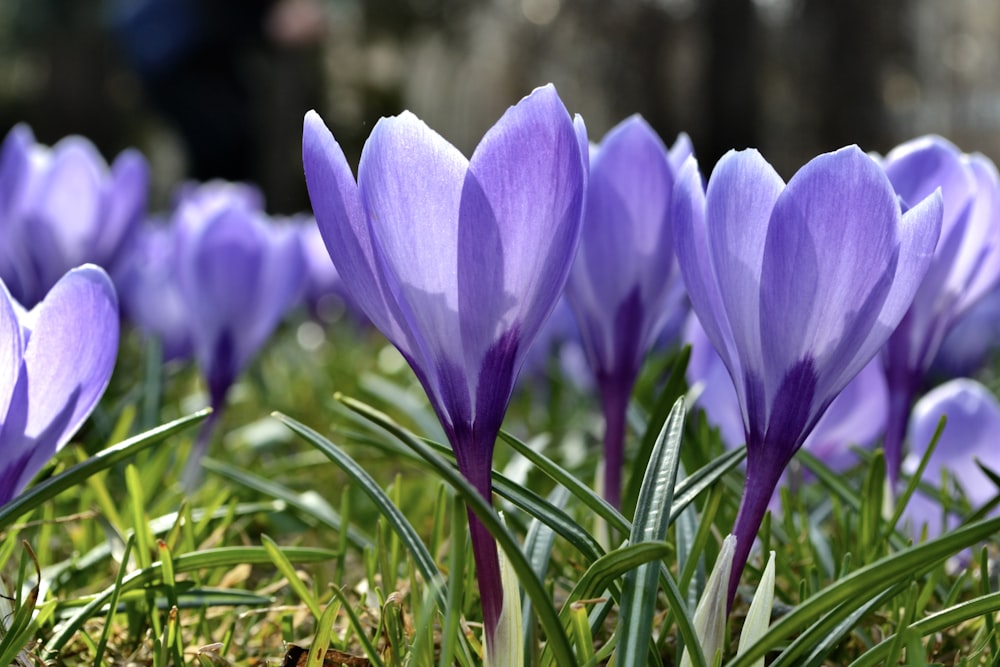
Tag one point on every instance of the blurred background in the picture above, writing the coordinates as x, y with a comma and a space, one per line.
218, 88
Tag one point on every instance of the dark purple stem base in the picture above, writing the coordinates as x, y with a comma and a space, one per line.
484, 551
760, 483
614, 402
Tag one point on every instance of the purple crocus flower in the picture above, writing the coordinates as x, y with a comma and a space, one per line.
855, 417
972, 341
623, 276
63, 207
966, 265
324, 294
797, 287
55, 363
238, 274
458, 262
970, 433
150, 294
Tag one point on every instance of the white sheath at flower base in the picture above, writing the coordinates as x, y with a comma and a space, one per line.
759, 615
508, 639
710, 616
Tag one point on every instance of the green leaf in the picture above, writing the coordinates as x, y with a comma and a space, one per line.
938, 622
652, 514
863, 584
224, 557
78, 474
547, 614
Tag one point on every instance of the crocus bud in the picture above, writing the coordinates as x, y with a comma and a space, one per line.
710, 616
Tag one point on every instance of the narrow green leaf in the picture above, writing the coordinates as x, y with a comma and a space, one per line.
547, 614
866, 582
323, 513
424, 561
288, 571
938, 622
652, 513
78, 474
324, 631
224, 557
359, 628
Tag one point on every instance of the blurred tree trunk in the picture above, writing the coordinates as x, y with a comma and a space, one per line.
857, 39
732, 78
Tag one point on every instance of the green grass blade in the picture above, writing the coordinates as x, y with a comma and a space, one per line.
359, 628
866, 582
113, 601
550, 515
78, 474
424, 561
224, 557
324, 631
324, 514
564, 478
829, 631
547, 615
937, 622
288, 571
652, 513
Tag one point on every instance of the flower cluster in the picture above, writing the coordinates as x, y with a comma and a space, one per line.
817, 306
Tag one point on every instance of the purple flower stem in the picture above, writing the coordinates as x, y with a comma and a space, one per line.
900, 402
761, 480
484, 551
614, 402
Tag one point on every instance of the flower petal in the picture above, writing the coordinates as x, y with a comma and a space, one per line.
520, 222
626, 243
741, 194
410, 182
341, 219
68, 361
69, 207
830, 261
694, 259
973, 415
11, 349
124, 195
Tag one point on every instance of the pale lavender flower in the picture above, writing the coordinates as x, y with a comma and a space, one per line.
624, 274
238, 274
61, 207
797, 287
855, 418
971, 342
151, 297
966, 265
458, 262
55, 363
970, 434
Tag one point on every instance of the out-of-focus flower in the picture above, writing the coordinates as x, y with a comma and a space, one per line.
975, 336
970, 434
797, 287
150, 295
624, 272
324, 294
55, 363
966, 265
61, 207
855, 417
458, 262
238, 275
